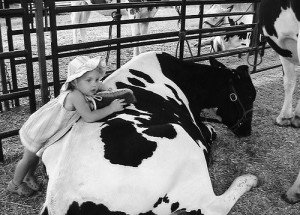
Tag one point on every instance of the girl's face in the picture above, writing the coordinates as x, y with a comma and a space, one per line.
89, 83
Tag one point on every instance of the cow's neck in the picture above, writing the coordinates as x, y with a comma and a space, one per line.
202, 84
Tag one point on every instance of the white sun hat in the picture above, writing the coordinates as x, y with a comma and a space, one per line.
81, 65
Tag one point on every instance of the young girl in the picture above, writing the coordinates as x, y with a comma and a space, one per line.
56, 117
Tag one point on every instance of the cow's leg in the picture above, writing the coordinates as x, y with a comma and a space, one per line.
293, 194
296, 119
289, 83
135, 29
144, 26
222, 204
79, 18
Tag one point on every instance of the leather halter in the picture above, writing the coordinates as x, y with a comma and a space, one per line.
233, 96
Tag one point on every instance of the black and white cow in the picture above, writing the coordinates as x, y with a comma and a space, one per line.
230, 41
133, 13
150, 158
280, 22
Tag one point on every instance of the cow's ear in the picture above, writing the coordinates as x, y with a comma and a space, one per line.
213, 62
243, 70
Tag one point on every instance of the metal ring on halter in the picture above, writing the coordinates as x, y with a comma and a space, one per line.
233, 97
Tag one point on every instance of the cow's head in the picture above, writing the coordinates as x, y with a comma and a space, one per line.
236, 99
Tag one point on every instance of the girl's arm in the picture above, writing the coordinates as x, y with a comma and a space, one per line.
83, 109
103, 87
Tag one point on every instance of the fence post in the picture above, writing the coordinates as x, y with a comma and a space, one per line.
10, 42
201, 12
27, 46
54, 46
256, 36
41, 50
3, 74
182, 32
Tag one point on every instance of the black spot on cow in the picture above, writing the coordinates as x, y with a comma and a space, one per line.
174, 92
195, 212
162, 131
142, 75
124, 145
90, 208
160, 200
174, 206
279, 50
136, 82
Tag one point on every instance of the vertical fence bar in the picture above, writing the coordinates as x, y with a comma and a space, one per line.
3, 73
182, 29
29, 62
256, 35
54, 46
201, 12
1, 152
118, 36
10, 42
41, 50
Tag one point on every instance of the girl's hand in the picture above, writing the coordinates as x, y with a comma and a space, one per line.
117, 105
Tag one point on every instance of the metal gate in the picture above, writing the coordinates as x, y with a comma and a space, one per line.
10, 96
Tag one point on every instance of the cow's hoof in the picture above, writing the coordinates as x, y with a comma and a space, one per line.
283, 122
248, 181
286, 199
296, 122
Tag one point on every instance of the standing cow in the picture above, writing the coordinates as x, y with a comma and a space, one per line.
150, 158
280, 22
133, 13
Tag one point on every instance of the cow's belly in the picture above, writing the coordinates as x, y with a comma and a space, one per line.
177, 168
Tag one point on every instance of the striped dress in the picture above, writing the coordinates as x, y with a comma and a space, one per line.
47, 124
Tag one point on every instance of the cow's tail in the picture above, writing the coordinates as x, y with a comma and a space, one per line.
80, 17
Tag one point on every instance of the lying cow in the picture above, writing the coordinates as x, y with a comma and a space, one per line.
280, 24
150, 158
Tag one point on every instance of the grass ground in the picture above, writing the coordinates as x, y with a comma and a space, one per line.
270, 153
